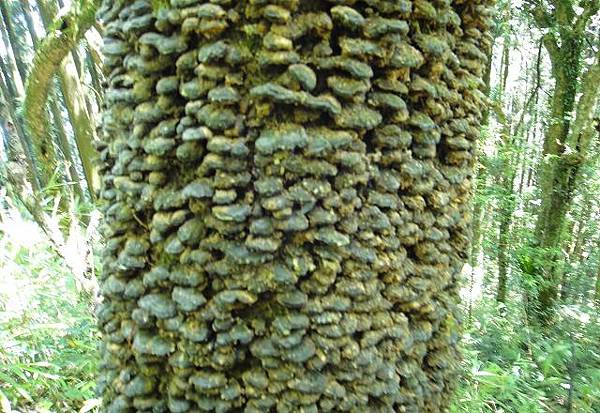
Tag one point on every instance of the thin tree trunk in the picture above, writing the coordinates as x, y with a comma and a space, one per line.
65, 147
12, 42
597, 288
480, 173
94, 75
578, 230
505, 181
19, 130
503, 238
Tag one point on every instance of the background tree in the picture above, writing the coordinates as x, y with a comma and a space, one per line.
568, 137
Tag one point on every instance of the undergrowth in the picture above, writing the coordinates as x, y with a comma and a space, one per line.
510, 367
48, 336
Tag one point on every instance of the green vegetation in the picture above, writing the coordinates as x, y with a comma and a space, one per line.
511, 367
48, 336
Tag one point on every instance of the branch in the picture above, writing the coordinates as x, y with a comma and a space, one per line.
48, 57
534, 91
540, 15
582, 132
590, 8
551, 45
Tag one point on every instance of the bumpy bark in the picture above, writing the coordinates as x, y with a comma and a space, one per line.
285, 188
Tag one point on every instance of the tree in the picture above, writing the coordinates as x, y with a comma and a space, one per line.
568, 136
285, 192
55, 109
52, 56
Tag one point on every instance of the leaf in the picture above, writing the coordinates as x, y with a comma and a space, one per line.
4, 403
484, 373
90, 405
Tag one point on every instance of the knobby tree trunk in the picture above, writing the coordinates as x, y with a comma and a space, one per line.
285, 191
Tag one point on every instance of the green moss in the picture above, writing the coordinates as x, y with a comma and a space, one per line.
159, 4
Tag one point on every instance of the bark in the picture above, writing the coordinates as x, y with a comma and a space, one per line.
285, 225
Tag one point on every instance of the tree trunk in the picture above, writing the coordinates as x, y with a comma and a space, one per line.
65, 147
505, 181
480, 179
559, 168
560, 180
74, 97
63, 142
503, 255
18, 150
286, 213
12, 42
9, 92
597, 288
94, 75
478, 210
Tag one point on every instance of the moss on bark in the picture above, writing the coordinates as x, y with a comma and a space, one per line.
285, 189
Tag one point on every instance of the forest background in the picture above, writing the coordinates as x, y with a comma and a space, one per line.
531, 291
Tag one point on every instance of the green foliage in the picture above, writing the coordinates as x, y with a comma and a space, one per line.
48, 336
510, 367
